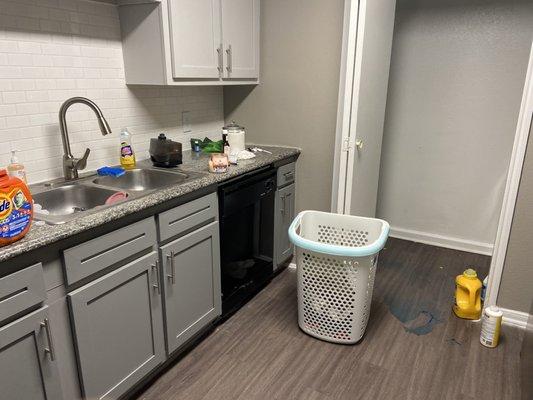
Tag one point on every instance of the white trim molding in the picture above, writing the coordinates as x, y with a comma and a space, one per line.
449, 242
344, 108
515, 318
511, 187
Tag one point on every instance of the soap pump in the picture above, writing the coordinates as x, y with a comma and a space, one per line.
15, 168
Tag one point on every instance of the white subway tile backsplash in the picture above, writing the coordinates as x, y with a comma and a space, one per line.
23, 84
14, 97
29, 47
17, 121
51, 50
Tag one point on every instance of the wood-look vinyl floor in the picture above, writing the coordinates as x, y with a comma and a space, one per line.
414, 347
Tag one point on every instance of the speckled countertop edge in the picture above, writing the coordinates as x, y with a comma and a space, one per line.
40, 236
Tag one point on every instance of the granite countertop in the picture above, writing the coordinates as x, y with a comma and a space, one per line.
42, 235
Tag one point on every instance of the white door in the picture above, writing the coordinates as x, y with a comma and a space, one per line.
195, 36
240, 35
369, 26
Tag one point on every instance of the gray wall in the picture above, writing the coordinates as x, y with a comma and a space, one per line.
296, 102
516, 288
456, 80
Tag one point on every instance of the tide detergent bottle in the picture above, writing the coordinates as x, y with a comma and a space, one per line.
16, 208
467, 295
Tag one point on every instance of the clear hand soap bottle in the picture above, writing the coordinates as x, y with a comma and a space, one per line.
15, 168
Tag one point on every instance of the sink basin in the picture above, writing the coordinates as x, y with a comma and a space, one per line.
142, 179
69, 199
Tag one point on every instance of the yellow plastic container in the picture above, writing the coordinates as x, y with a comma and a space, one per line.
467, 295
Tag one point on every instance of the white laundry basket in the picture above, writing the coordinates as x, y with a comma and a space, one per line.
336, 258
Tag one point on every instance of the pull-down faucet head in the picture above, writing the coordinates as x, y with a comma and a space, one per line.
71, 165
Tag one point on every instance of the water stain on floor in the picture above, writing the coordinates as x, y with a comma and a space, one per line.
417, 282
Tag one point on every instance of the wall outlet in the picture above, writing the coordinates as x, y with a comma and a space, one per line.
186, 121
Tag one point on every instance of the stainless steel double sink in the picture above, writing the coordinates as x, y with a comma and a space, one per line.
58, 202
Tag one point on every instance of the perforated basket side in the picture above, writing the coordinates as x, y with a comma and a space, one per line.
331, 295
342, 236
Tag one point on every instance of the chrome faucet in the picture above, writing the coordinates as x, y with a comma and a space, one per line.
71, 164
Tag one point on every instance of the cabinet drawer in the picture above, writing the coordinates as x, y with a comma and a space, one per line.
286, 174
187, 216
97, 254
21, 290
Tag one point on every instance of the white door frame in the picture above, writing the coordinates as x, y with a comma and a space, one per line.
511, 187
347, 92
348, 89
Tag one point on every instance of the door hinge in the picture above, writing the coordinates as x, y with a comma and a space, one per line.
348, 144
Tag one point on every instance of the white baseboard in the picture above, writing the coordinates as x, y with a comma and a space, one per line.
515, 318
442, 241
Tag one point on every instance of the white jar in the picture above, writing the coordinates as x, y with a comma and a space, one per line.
236, 137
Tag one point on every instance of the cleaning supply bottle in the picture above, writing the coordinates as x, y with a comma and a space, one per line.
467, 295
484, 288
15, 168
127, 155
16, 208
491, 324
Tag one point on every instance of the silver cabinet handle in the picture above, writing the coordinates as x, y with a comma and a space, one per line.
157, 284
289, 175
230, 61
50, 350
220, 59
282, 205
172, 275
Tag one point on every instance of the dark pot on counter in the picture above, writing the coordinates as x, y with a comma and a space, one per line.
164, 152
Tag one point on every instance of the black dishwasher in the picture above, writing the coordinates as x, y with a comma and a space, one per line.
246, 206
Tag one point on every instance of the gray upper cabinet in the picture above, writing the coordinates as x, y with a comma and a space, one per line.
283, 219
195, 38
27, 360
118, 328
191, 272
240, 34
191, 42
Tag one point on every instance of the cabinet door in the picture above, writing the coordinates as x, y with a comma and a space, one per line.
195, 38
240, 35
284, 217
192, 284
27, 359
118, 328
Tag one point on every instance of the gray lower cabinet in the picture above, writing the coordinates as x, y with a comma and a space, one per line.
191, 271
27, 361
118, 328
283, 218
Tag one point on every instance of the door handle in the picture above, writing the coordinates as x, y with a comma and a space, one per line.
157, 284
50, 350
229, 53
359, 144
282, 205
220, 59
172, 275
